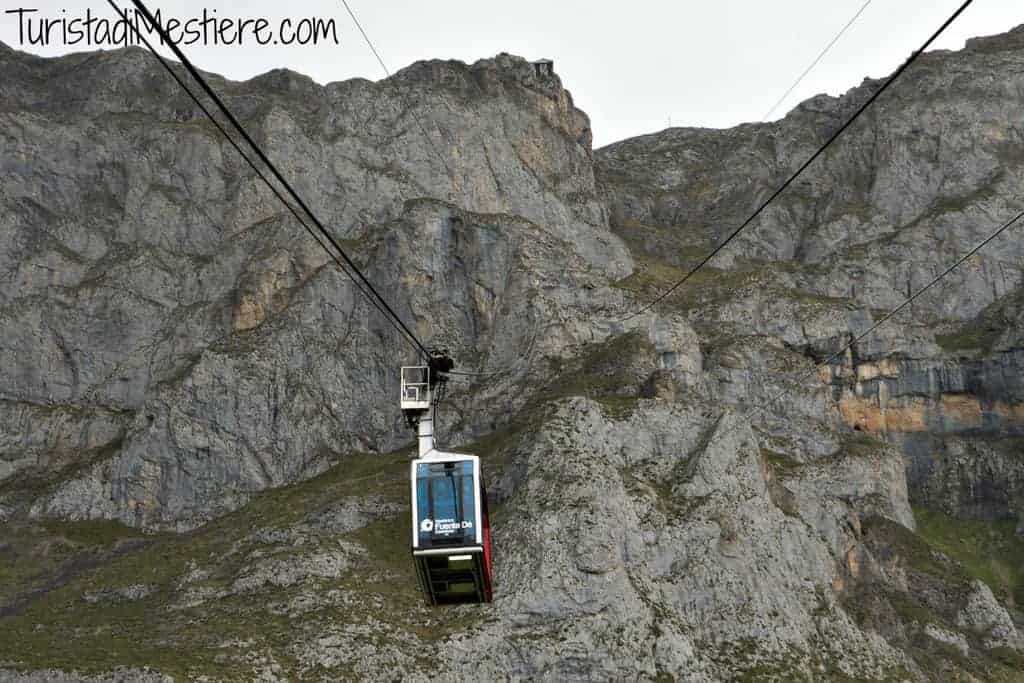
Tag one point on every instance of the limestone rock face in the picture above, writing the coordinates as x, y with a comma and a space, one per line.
164, 312
982, 614
683, 494
663, 530
924, 176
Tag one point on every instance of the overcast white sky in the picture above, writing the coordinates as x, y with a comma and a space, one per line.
632, 66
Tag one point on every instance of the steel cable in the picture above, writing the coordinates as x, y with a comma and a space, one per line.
817, 59
757, 212
369, 288
257, 170
401, 94
853, 342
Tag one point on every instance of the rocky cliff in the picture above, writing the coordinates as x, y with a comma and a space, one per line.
202, 461
173, 334
929, 171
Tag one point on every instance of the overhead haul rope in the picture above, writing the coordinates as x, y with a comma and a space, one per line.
364, 285
764, 407
261, 175
757, 212
405, 99
508, 368
860, 337
817, 59
430, 141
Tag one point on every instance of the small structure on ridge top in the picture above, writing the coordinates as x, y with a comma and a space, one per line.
543, 67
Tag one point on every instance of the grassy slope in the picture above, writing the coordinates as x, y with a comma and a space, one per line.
940, 560
58, 628
990, 551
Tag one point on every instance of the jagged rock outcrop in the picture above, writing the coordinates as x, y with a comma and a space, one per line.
644, 544
152, 277
928, 172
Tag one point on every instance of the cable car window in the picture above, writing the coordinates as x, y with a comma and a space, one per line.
446, 503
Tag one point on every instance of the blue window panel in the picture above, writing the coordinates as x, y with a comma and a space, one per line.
446, 503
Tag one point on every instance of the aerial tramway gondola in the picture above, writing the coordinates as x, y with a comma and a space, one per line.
451, 544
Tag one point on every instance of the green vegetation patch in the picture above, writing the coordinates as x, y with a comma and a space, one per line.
978, 335
103, 533
63, 596
917, 552
602, 374
981, 334
664, 255
659, 491
705, 287
863, 445
782, 464
969, 337
32, 554
677, 245
945, 556
661, 262
989, 551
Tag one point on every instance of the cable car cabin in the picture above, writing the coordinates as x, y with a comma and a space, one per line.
451, 542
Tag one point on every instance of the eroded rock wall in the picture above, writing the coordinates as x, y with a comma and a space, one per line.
929, 171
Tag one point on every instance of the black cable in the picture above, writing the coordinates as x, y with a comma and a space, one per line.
439, 394
1006, 226
507, 368
765, 406
910, 60
401, 94
254, 167
817, 59
273, 169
